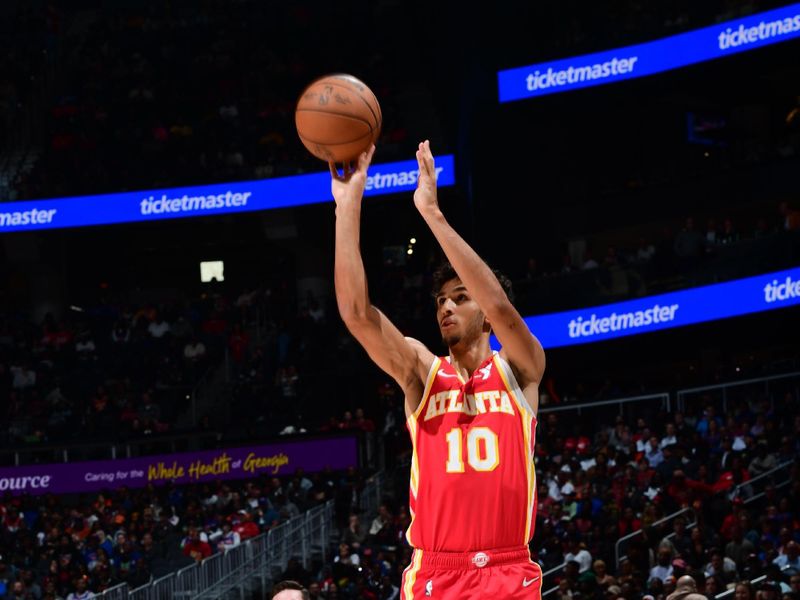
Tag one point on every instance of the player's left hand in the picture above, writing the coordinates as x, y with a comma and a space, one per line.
425, 195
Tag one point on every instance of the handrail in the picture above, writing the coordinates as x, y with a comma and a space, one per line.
550, 591
63, 449
717, 386
550, 572
554, 569
638, 532
732, 591
765, 474
676, 514
547, 409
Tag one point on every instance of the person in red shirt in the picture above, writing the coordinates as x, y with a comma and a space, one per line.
194, 547
628, 523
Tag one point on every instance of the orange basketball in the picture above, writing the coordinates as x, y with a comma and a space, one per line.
338, 117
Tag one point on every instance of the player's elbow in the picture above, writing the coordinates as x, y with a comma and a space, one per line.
352, 306
354, 313
351, 313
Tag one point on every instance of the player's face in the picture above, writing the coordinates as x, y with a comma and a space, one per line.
459, 317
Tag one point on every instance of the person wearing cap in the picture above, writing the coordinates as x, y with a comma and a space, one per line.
679, 567
557, 483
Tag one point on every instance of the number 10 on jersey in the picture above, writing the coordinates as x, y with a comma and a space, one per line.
483, 452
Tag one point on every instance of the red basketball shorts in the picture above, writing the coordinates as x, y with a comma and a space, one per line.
492, 574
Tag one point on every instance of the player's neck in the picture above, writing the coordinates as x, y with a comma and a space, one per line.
467, 359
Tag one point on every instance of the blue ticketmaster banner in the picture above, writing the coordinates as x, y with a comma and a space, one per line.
709, 43
207, 200
676, 309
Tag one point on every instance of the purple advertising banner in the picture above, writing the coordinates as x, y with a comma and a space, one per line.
188, 467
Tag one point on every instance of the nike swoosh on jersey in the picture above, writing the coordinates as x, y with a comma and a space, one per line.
526, 582
441, 373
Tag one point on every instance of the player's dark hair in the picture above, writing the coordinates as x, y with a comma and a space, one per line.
288, 584
445, 272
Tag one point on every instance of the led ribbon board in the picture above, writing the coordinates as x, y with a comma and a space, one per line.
709, 43
676, 309
207, 200
210, 466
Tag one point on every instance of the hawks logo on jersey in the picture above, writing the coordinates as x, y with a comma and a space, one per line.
472, 475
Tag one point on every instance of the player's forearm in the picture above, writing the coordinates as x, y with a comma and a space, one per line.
350, 279
472, 270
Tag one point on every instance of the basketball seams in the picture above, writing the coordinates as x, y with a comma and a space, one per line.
351, 91
353, 141
360, 93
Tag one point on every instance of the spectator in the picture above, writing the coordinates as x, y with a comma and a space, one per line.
589, 262
729, 234
653, 453
789, 557
80, 593
663, 568
355, 534
194, 351
721, 567
602, 577
194, 547
579, 553
159, 327
644, 251
686, 589
743, 591
382, 529
739, 548
229, 539
763, 461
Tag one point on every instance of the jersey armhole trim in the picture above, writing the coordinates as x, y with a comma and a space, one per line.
428, 385
507, 373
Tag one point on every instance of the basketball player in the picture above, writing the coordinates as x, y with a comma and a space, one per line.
471, 414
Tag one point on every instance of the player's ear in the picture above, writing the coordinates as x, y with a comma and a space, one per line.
487, 326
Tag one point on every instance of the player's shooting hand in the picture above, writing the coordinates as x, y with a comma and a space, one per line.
349, 184
425, 195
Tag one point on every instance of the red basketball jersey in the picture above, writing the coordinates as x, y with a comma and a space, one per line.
473, 483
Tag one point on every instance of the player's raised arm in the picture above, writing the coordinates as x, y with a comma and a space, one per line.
522, 349
406, 361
